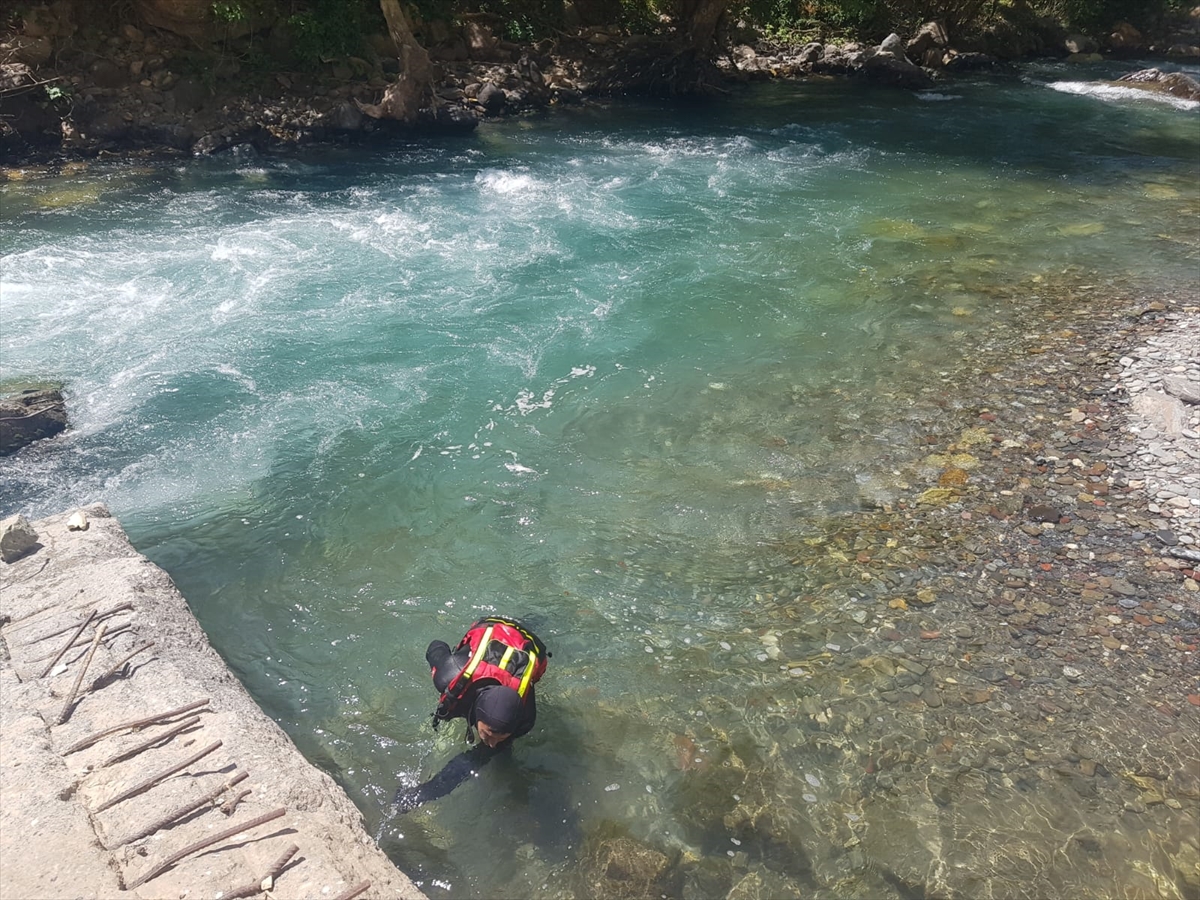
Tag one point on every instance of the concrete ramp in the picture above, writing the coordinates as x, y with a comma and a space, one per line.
133, 763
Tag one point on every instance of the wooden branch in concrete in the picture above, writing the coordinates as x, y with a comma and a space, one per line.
351, 893
113, 670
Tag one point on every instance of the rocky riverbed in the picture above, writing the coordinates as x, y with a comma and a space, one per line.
984, 683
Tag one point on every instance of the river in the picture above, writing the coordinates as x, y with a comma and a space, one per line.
588, 369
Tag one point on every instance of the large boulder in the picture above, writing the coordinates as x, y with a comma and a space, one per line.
887, 64
928, 45
30, 415
1125, 39
1176, 84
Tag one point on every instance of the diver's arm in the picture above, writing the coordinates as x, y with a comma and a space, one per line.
454, 773
441, 664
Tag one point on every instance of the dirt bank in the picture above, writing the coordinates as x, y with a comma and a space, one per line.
65, 830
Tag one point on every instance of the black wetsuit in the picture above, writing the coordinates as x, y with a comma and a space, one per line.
446, 664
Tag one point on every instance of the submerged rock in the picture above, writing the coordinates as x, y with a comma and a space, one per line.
617, 866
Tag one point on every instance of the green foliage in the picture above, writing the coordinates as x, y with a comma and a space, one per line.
324, 29
230, 12
1095, 16
640, 16
524, 20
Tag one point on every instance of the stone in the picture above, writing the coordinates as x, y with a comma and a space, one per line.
491, 98
17, 538
1080, 43
30, 415
929, 37
1175, 83
1184, 388
617, 867
1044, 513
344, 117
1160, 411
1125, 37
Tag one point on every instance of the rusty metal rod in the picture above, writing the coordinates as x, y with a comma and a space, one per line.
207, 842
231, 804
351, 893
254, 888
99, 617
114, 669
78, 631
155, 779
120, 629
136, 723
182, 811
34, 617
146, 745
69, 703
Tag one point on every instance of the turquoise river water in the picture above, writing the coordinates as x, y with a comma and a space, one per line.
587, 369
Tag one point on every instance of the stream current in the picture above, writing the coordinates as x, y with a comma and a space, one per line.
590, 370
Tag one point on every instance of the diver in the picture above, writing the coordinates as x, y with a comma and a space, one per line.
488, 680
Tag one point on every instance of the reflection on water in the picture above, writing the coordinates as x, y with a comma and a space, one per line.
668, 386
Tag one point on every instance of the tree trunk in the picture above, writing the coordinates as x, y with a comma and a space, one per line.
413, 87
698, 25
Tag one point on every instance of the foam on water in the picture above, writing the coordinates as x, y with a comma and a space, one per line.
1116, 92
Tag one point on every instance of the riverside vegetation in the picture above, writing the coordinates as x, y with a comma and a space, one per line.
82, 78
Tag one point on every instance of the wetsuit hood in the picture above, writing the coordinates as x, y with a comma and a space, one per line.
498, 707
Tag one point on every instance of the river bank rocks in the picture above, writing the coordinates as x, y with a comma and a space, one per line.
69, 89
30, 414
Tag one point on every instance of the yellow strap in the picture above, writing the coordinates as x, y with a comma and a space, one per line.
509, 650
469, 671
529, 667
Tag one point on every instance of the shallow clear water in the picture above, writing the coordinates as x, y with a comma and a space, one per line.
587, 369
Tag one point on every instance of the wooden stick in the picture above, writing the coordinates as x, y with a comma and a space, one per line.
182, 811
146, 745
99, 617
136, 723
69, 704
155, 779
114, 669
351, 893
254, 888
207, 842
78, 631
